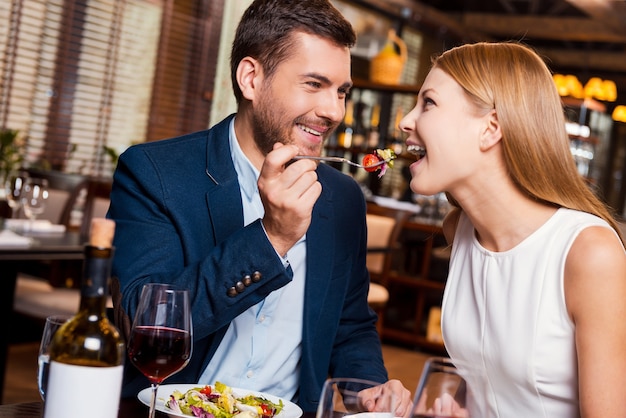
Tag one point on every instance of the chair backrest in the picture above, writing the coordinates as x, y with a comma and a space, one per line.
379, 229
63, 194
96, 203
384, 226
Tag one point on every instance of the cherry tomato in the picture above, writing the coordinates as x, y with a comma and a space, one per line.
371, 159
267, 411
206, 390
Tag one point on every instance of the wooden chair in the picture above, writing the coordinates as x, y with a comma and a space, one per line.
53, 288
96, 203
384, 226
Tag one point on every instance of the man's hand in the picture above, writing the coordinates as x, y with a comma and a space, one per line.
288, 195
371, 398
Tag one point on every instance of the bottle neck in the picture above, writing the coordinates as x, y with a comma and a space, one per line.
95, 280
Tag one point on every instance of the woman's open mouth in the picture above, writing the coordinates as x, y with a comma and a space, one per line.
416, 150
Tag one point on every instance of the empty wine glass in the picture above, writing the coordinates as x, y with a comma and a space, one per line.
53, 323
13, 190
160, 339
345, 397
34, 197
442, 391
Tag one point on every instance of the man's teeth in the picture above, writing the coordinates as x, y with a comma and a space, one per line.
309, 130
416, 150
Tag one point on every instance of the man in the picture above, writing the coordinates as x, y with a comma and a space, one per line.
273, 252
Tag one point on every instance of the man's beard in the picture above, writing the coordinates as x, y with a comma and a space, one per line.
268, 128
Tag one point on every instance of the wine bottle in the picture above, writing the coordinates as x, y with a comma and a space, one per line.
373, 136
359, 132
87, 353
396, 142
345, 130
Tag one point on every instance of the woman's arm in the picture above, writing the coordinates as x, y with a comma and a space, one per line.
595, 292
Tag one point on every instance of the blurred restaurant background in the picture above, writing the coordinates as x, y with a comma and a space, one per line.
82, 80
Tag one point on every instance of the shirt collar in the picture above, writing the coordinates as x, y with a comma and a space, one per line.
246, 172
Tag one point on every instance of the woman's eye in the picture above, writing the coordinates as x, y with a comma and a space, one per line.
427, 103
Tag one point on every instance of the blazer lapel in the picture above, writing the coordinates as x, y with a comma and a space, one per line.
320, 253
223, 197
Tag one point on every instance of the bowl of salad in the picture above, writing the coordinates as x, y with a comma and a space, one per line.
218, 401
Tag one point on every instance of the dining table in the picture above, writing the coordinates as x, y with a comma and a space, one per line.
65, 245
129, 408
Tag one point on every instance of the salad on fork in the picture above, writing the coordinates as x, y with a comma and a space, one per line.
379, 159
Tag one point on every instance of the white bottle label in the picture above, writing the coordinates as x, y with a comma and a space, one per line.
80, 391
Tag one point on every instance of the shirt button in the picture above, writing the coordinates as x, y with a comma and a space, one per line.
262, 318
250, 374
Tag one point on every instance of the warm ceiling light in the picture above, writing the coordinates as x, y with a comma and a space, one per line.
619, 114
568, 85
593, 88
609, 91
574, 86
604, 90
559, 81
596, 88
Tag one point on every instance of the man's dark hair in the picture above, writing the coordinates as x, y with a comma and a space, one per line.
266, 28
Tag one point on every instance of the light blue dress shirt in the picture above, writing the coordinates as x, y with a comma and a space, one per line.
262, 347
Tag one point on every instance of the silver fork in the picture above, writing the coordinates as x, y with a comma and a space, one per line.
340, 160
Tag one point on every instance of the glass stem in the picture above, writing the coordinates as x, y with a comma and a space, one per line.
154, 387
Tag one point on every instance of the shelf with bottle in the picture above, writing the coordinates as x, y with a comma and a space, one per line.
376, 100
363, 84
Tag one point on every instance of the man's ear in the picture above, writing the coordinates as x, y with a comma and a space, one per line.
492, 133
248, 77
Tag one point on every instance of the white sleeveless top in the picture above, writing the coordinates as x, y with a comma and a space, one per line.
504, 314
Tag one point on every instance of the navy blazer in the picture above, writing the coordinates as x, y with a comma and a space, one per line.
179, 215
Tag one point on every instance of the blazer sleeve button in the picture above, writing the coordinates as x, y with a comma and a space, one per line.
232, 292
247, 280
256, 276
240, 287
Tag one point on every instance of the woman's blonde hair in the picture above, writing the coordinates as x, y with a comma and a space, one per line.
512, 79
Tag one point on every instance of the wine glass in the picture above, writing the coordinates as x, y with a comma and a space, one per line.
442, 391
343, 397
13, 188
53, 323
34, 197
160, 338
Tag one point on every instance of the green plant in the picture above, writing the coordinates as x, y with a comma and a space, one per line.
112, 153
11, 155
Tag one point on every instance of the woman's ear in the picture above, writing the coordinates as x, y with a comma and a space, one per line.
491, 134
248, 73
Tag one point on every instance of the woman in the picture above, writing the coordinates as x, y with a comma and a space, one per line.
537, 282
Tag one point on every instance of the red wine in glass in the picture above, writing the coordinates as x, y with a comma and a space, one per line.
160, 342
159, 352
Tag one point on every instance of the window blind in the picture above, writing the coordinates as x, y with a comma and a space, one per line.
80, 75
